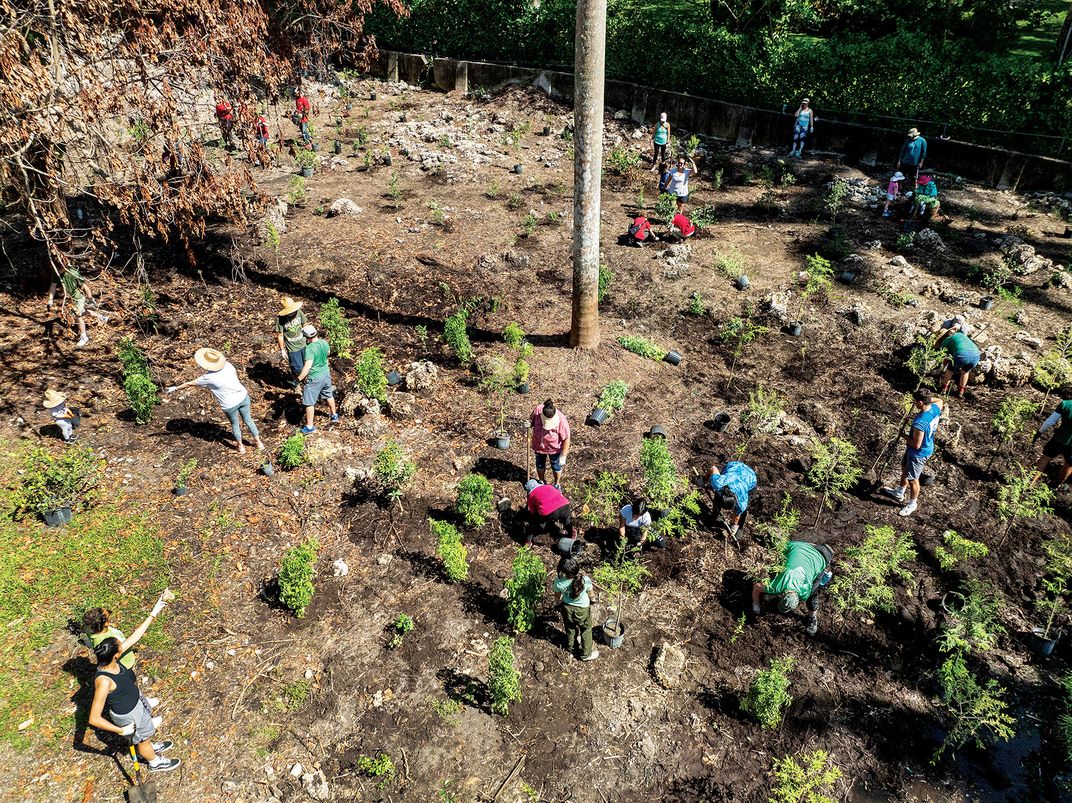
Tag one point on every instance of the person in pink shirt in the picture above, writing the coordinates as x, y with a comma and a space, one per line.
893, 191
548, 508
550, 438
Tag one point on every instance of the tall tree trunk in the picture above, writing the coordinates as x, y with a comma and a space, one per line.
34, 172
587, 169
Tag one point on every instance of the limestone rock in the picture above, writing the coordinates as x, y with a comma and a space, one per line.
668, 665
421, 377
344, 206
930, 240
1022, 257
1028, 340
777, 305
404, 405
276, 215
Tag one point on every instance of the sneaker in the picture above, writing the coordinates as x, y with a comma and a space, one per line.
659, 542
153, 702
909, 509
307, 430
334, 418
887, 214
163, 747
82, 341
813, 626
164, 764
894, 493
157, 721
72, 439
591, 656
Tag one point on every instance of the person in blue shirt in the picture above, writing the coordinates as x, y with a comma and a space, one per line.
803, 124
963, 356
729, 491
913, 153
920, 447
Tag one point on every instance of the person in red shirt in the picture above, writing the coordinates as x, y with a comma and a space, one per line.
302, 110
550, 438
225, 117
640, 233
260, 128
548, 509
682, 226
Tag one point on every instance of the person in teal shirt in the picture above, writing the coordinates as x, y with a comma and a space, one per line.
317, 377
963, 357
576, 606
807, 571
660, 138
1060, 445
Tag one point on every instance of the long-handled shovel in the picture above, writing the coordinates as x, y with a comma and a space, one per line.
142, 791
883, 454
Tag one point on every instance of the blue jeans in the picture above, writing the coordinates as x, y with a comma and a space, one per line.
297, 360
556, 461
242, 410
305, 135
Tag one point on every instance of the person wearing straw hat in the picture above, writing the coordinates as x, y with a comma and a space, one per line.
288, 328
913, 154
222, 379
65, 418
550, 439
318, 374
803, 124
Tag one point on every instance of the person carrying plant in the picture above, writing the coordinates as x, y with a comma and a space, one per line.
225, 118
222, 379
963, 357
302, 110
893, 192
96, 622
926, 199
318, 374
548, 508
550, 439
115, 692
912, 155
574, 588
729, 490
640, 232
678, 182
807, 571
803, 125
681, 228
1060, 444
634, 521
289, 322
660, 138
920, 437
74, 288
64, 417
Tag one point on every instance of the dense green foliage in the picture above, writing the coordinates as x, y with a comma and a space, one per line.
769, 696
504, 679
371, 377
336, 329
142, 392
54, 479
450, 550
296, 576
524, 588
949, 61
476, 499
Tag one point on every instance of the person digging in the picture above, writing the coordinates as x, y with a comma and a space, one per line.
318, 374
729, 491
807, 571
1060, 444
963, 357
634, 523
920, 437
549, 512
550, 439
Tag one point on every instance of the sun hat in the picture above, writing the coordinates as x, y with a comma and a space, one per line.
549, 415
925, 179
898, 176
662, 117
53, 398
290, 306
913, 132
789, 601
804, 101
530, 486
210, 359
309, 330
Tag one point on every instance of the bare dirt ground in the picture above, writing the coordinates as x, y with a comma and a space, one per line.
234, 682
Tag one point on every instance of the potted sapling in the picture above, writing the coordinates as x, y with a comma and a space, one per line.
184, 476
1056, 586
620, 578
611, 400
496, 379
51, 483
514, 336
307, 162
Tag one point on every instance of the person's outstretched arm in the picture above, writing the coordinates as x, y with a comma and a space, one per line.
135, 637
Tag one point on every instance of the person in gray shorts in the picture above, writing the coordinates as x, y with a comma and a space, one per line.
317, 377
920, 447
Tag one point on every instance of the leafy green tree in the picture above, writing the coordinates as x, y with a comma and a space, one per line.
603, 497
974, 623
524, 588
768, 697
955, 548
1022, 496
296, 576
371, 377
621, 577
336, 328
834, 470
977, 711
1013, 416
867, 572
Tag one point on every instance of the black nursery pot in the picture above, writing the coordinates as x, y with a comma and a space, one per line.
394, 378
794, 329
519, 168
387, 160
672, 357
179, 491
926, 479
597, 417
656, 431
372, 96
720, 422
986, 302
338, 147
547, 130
524, 388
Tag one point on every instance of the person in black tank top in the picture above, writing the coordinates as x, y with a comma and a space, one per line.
123, 698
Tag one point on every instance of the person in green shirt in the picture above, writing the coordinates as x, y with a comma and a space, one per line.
74, 288
807, 571
1060, 444
576, 606
963, 357
289, 322
317, 377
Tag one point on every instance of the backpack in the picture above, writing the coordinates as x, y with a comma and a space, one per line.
636, 228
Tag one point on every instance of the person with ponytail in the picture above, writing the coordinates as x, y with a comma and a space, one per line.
576, 606
115, 690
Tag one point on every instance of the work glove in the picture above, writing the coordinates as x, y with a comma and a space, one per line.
756, 609
127, 730
283, 354
171, 389
165, 598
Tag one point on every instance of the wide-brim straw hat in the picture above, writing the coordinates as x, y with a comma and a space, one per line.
913, 132
290, 306
210, 359
53, 398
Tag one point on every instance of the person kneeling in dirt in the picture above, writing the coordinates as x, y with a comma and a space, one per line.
576, 607
920, 447
634, 521
115, 690
807, 571
318, 374
729, 491
549, 511
681, 228
640, 232
64, 417
1060, 445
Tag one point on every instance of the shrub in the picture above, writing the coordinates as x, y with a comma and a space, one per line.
185, 472
392, 470
974, 624
666, 207
612, 398
1052, 370
292, 453
381, 767
603, 498
475, 500
521, 371
402, 625
450, 550
296, 576
704, 217
1064, 720
336, 328
977, 710
739, 331
1056, 581
925, 358
730, 264
496, 378
513, 335
809, 781
768, 696
955, 547
661, 481
696, 305
835, 197
606, 277
394, 188
524, 589
622, 576
504, 681
52, 480
764, 410
296, 191
680, 517
1022, 496
867, 571
142, 392
1013, 416
819, 275
835, 469
528, 224
641, 346
621, 161
371, 378
455, 336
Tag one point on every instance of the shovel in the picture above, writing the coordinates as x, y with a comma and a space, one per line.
142, 791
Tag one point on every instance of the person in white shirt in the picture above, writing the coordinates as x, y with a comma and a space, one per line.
634, 521
230, 393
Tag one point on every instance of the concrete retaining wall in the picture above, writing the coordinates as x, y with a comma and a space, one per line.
744, 125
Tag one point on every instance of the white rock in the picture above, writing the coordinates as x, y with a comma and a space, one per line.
344, 206
340, 566
296, 771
